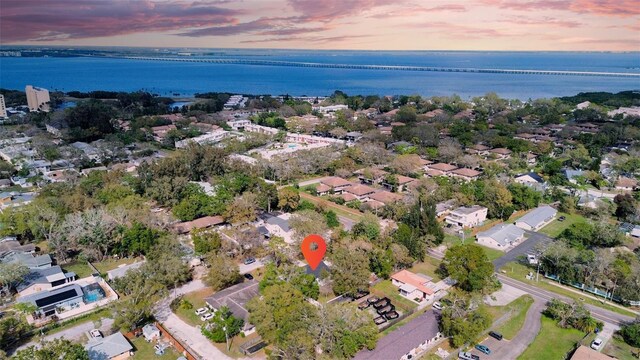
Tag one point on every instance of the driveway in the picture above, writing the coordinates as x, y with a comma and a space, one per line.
525, 247
249, 268
76, 333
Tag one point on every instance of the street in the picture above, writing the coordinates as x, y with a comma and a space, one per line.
76, 333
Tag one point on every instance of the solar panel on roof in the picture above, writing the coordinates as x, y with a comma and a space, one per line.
65, 295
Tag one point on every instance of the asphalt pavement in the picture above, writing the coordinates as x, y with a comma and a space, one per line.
528, 246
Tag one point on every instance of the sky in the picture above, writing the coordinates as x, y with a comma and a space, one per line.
565, 25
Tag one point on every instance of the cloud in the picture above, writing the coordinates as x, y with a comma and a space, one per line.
309, 39
545, 21
450, 30
622, 8
22, 20
413, 10
331, 10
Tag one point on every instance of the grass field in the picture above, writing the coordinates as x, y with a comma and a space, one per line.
554, 228
94, 316
492, 254
386, 288
519, 272
82, 269
196, 299
110, 264
145, 351
518, 309
620, 349
552, 342
427, 267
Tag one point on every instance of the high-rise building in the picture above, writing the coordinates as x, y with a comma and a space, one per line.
37, 98
3, 108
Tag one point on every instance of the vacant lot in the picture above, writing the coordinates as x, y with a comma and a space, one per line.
552, 342
518, 310
144, 351
554, 228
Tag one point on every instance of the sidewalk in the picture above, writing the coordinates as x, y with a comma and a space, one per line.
586, 294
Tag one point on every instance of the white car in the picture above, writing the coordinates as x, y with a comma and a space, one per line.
596, 344
206, 317
201, 311
95, 333
436, 305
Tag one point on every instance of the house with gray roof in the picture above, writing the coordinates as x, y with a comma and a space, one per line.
571, 175
537, 218
47, 301
114, 346
29, 260
406, 342
501, 236
235, 298
10, 245
44, 279
120, 271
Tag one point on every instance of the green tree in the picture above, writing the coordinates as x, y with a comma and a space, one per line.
381, 262
205, 241
12, 329
469, 265
343, 330
462, 325
223, 272
368, 226
631, 333
407, 238
497, 199
524, 197
307, 222
406, 114
138, 239
332, 219
307, 285
288, 199
58, 349
223, 327
350, 271
12, 273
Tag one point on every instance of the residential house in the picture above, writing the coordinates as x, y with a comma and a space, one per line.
10, 245
210, 138
151, 332
399, 185
406, 342
416, 287
501, 153
360, 192
28, 259
122, 270
443, 208
524, 136
385, 197
333, 184
439, 169
238, 125
40, 279
371, 176
532, 159
587, 353
201, 223
47, 301
571, 175
112, 347
160, 132
588, 201
236, 298
467, 216
89, 151
353, 136
537, 218
529, 178
465, 174
626, 184
57, 176
478, 149
88, 171
14, 199
501, 236
279, 226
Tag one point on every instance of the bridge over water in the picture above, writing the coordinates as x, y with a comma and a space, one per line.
385, 67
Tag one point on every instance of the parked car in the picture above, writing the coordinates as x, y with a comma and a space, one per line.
249, 260
95, 333
596, 344
201, 311
248, 276
206, 317
467, 356
379, 320
391, 315
436, 305
483, 349
562, 218
495, 335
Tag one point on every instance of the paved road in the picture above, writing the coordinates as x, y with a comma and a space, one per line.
346, 222
249, 268
310, 182
601, 314
76, 333
525, 247
511, 349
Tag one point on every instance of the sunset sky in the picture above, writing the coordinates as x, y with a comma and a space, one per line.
332, 24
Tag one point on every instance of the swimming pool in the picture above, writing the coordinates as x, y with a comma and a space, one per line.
92, 293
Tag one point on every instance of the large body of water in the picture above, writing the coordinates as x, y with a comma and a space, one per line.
187, 78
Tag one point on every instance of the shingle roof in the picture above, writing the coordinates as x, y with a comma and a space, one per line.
334, 181
278, 221
503, 234
442, 167
417, 281
532, 175
385, 197
404, 339
108, 347
538, 215
203, 222
359, 190
466, 172
235, 298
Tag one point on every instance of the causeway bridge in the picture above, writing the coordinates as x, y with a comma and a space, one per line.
384, 67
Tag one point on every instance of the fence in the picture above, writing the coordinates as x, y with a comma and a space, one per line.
185, 351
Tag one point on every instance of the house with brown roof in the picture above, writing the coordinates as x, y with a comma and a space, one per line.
370, 176
400, 183
361, 192
439, 169
334, 184
626, 184
465, 174
524, 136
385, 197
201, 223
586, 353
478, 149
160, 132
416, 287
501, 153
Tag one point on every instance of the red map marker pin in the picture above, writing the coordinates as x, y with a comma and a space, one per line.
315, 254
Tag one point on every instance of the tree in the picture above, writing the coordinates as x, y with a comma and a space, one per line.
381, 262
288, 199
307, 222
524, 197
222, 327
469, 265
93, 231
223, 272
626, 206
205, 241
11, 274
631, 333
58, 349
497, 199
242, 210
343, 330
406, 114
141, 294
138, 240
368, 226
461, 324
12, 329
406, 237
307, 285
332, 219
350, 271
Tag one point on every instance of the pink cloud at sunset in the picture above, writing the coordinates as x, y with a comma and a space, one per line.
331, 24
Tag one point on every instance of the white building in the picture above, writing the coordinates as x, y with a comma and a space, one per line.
501, 236
206, 139
467, 216
3, 107
329, 109
37, 98
537, 218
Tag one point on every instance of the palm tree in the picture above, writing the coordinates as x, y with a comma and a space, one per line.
587, 324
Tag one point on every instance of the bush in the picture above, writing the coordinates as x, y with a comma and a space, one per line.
631, 333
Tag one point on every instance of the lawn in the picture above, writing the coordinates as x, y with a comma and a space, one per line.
110, 264
91, 317
552, 342
620, 349
145, 351
492, 254
518, 272
81, 268
236, 342
386, 288
554, 228
427, 267
518, 308
196, 299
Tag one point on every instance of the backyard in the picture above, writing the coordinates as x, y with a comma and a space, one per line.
427, 267
552, 342
620, 349
81, 268
386, 288
144, 351
555, 227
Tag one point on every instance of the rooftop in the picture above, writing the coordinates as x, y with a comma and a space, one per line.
466, 210
538, 215
503, 234
418, 281
334, 181
108, 347
443, 167
466, 172
359, 190
235, 298
385, 197
586, 353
